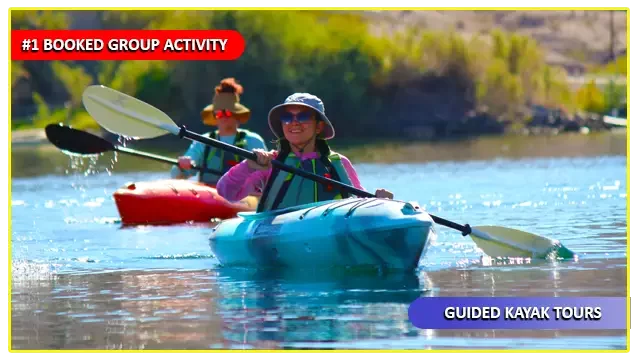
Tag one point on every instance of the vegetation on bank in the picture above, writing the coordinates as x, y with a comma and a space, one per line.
416, 83
616, 67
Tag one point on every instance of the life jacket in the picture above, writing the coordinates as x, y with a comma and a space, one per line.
217, 159
285, 189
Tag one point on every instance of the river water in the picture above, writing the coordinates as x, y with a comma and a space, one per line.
81, 281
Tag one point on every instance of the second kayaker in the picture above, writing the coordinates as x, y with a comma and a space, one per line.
302, 129
227, 113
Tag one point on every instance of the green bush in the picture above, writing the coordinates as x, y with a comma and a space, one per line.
591, 99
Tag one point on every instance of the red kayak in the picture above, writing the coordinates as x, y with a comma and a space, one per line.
166, 202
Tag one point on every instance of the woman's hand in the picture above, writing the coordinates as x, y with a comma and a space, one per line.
384, 194
264, 159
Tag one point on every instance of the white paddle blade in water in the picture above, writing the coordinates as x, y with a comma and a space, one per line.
125, 115
498, 241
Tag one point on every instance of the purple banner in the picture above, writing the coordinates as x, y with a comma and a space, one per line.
519, 313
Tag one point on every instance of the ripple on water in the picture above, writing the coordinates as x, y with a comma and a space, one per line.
26, 270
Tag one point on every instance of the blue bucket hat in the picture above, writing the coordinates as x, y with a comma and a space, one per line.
306, 100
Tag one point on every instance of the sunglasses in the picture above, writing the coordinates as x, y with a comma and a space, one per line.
302, 117
223, 114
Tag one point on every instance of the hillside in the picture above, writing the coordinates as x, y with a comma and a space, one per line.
571, 38
434, 74
577, 40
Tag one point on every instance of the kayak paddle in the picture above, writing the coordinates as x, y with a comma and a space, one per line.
125, 115
84, 143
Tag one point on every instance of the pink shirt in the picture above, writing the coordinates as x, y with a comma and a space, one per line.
241, 181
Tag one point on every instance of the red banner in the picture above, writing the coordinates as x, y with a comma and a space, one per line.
126, 45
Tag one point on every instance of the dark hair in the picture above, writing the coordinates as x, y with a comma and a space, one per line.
229, 85
284, 148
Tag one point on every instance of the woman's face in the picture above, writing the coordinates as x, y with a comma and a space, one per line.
226, 120
299, 124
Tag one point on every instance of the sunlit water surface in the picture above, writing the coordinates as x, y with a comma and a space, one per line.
80, 280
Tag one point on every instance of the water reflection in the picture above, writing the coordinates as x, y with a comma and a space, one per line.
29, 161
513, 147
245, 309
268, 309
595, 277
115, 311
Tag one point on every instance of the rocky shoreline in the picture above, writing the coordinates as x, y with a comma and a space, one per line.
37, 137
581, 122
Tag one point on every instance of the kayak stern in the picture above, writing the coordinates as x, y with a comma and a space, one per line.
174, 201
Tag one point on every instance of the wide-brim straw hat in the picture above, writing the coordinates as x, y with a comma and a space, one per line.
304, 99
225, 101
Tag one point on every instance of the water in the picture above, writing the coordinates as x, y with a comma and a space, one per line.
81, 281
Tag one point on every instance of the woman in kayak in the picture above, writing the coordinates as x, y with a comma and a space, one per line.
227, 113
302, 129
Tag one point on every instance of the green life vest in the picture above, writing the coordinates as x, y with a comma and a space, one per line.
217, 159
285, 189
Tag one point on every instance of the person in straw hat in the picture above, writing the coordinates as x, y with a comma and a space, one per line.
227, 113
302, 129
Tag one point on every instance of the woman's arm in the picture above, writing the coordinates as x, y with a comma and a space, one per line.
351, 171
241, 181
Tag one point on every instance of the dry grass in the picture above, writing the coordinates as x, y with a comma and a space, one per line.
567, 36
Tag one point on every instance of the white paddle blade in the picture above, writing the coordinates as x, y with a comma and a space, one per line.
125, 115
498, 241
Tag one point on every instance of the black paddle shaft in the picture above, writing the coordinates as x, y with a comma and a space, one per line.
84, 143
184, 133
162, 159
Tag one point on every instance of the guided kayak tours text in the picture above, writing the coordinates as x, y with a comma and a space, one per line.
519, 313
522, 313
126, 45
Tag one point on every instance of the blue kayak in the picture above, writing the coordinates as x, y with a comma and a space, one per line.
352, 232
